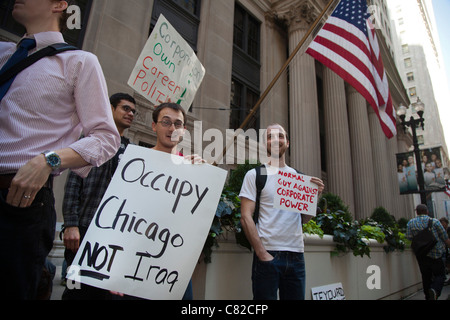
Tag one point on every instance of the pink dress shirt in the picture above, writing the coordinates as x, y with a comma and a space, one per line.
51, 103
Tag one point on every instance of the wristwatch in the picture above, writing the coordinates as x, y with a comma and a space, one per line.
53, 160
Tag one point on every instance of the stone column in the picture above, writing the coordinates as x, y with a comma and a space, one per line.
337, 138
304, 110
361, 146
398, 207
380, 155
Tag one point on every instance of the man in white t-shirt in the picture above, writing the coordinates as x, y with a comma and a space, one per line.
277, 237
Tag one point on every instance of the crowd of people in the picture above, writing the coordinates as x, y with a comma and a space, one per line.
45, 108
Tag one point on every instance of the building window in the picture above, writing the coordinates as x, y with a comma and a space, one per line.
246, 32
183, 15
243, 99
245, 84
408, 63
405, 49
410, 76
74, 37
412, 92
190, 6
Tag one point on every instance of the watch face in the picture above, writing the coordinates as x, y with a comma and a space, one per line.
53, 160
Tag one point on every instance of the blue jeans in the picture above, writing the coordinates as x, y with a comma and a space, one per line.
26, 238
286, 273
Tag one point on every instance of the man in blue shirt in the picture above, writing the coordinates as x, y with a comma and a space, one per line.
431, 266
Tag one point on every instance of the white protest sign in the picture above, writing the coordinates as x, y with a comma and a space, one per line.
296, 192
167, 68
150, 227
328, 292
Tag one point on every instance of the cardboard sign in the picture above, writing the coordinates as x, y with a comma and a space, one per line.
328, 292
167, 68
296, 193
150, 227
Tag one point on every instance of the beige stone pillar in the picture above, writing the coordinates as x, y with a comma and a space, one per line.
361, 146
380, 155
398, 207
337, 138
304, 111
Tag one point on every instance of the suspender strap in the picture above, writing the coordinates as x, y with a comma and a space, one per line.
261, 178
46, 52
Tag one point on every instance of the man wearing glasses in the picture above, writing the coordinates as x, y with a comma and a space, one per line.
169, 121
83, 196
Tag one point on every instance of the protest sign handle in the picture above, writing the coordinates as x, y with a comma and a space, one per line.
278, 76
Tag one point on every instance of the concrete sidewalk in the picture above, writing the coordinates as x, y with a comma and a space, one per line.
445, 294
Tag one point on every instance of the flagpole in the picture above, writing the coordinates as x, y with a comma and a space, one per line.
275, 80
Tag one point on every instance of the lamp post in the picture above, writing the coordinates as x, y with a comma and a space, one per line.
414, 123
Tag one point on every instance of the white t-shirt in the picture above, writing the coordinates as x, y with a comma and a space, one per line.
279, 230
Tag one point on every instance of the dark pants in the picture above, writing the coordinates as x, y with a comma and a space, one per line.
433, 274
26, 238
285, 273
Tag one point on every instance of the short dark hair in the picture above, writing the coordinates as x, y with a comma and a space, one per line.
422, 209
117, 97
173, 106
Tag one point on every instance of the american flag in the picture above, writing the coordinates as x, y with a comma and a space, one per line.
348, 45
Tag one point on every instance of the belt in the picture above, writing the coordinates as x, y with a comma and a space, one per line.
6, 180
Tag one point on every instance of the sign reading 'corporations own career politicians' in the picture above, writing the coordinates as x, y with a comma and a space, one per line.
149, 230
167, 69
296, 192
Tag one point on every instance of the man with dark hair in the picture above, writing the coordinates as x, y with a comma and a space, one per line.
44, 108
83, 196
169, 124
432, 265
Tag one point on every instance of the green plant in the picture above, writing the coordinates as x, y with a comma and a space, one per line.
352, 236
395, 239
330, 202
313, 228
373, 232
346, 234
393, 231
382, 216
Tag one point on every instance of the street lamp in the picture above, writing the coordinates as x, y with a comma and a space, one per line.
415, 123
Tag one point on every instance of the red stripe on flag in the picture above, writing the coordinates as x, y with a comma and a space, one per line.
346, 37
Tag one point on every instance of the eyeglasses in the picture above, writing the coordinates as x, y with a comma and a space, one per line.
128, 109
167, 124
